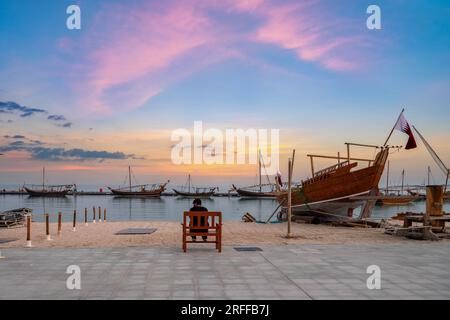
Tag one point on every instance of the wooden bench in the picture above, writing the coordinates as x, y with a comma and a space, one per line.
210, 222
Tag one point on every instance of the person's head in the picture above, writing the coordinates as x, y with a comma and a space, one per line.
197, 202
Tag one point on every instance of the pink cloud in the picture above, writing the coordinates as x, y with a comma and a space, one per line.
141, 49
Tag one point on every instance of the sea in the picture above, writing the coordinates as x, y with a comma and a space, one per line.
168, 208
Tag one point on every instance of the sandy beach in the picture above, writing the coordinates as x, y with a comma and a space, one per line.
168, 234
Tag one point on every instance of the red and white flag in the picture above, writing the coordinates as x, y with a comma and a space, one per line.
278, 178
403, 126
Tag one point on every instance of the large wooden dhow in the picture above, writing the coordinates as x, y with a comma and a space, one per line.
336, 191
333, 189
191, 191
141, 190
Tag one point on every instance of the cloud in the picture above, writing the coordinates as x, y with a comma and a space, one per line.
65, 125
24, 112
12, 107
39, 152
55, 117
144, 47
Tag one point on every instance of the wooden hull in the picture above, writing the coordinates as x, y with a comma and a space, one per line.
256, 194
146, 194
399, 200
194, 194
338, 185
45, 193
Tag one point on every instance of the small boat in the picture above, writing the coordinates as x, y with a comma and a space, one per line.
268, 190
48, 190
142, 190
14, 217
191, 191
259, 191
399, 198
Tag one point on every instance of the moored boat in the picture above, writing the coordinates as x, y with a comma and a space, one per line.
48, 190
268, 190
400, 198
191, 191
142, 190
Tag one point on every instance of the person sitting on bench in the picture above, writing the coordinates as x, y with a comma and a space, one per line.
198, 207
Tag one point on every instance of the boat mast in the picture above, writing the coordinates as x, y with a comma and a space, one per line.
387, 178
403, 180
43, 178
436, 158
390, 133
429, 172
259, 167
189, 183
129, 177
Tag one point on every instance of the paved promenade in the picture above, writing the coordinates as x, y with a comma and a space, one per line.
413, 270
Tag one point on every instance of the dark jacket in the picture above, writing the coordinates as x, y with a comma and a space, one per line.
202, 219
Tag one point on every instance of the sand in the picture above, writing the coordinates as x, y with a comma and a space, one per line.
168, 234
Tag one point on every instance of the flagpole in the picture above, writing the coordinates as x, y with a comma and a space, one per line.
390, 134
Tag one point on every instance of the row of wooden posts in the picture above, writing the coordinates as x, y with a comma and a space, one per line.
74, 222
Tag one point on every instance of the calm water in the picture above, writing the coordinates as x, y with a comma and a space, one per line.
167, 208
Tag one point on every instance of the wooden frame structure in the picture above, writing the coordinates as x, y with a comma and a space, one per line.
200, 224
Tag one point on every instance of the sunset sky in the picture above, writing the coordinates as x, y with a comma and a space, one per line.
87, 103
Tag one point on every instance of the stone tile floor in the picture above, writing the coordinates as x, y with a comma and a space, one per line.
416, 270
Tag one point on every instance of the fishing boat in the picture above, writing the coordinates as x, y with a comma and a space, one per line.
141, 190
48, 190
398, 198
267, 190
191, 191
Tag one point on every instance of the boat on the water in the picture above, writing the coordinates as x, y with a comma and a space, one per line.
191, 191
48, 190
141, 190
391, 198
267, 190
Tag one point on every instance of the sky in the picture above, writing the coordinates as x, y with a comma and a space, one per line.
87, 103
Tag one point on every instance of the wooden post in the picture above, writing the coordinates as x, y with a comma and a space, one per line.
339, 158
312, 166
85, 217
47, 227
74, 225
289, 197
29, 231
99, 214
387, 179
348, 152
59, 223
104, 215
93, 215
435, 203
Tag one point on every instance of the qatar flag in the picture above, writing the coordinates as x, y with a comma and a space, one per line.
403, 126
278, 178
